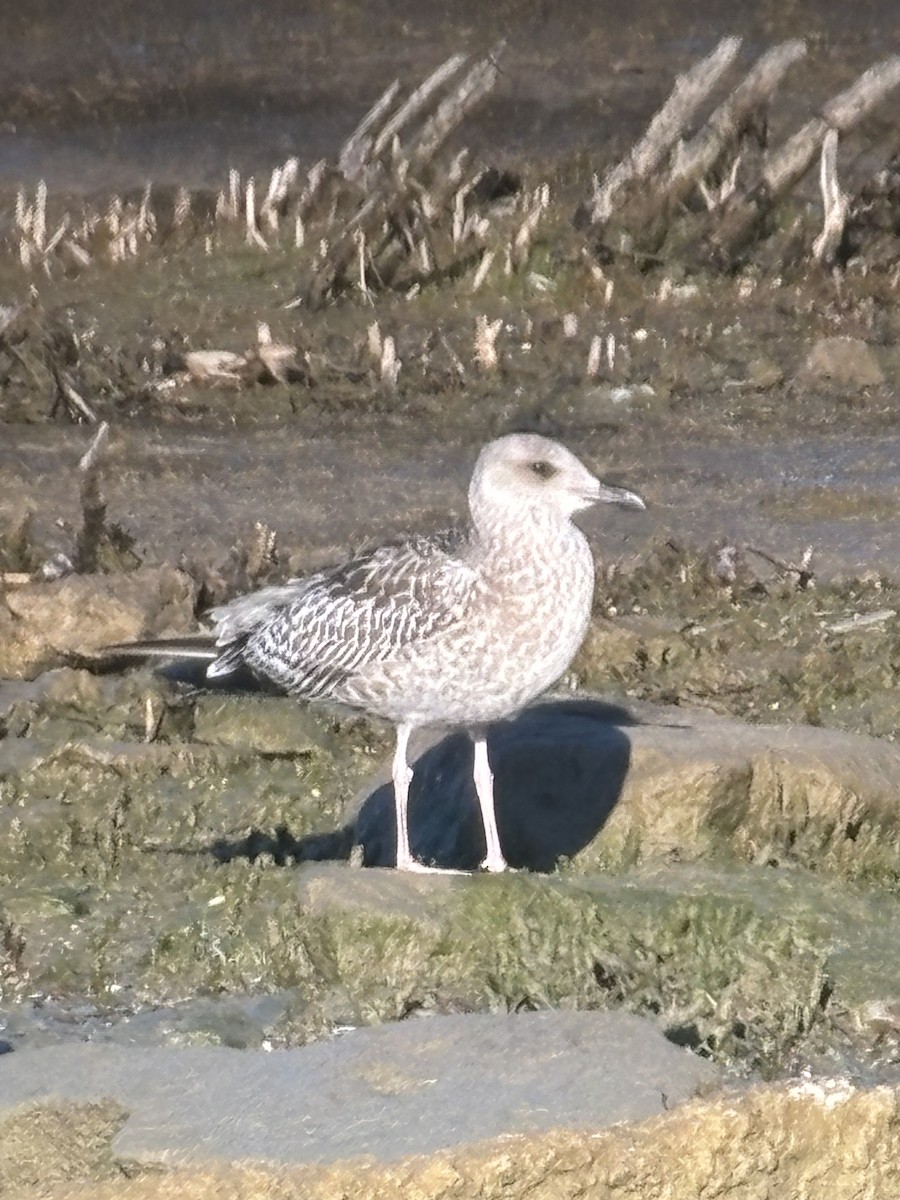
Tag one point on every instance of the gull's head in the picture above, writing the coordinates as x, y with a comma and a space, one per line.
526, 471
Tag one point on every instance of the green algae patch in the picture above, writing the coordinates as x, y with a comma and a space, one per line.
734, 984
751, 967
99, 769
80, 808
270, 725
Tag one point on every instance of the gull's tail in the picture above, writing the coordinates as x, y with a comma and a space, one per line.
188, 660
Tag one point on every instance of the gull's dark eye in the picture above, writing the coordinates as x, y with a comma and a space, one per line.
543, 470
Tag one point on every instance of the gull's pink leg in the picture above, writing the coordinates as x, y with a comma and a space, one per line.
484, 787
402, 775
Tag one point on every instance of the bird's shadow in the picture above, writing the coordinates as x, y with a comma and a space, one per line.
559, 769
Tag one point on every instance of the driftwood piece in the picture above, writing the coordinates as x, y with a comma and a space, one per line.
392, 219
417, 102
357, 147
843, 112
66, 392
694, 159
457, 106
860, 621
690, 90
367, 142
802, 571
789, 164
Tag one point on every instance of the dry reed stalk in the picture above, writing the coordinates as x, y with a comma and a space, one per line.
690, 90
486, 333
696, 158
835, 204
390, 363
786, 167
484, 266
594, 353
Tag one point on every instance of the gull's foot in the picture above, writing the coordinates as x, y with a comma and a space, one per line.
494, 864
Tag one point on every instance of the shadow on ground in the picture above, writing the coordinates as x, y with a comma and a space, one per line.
559, 769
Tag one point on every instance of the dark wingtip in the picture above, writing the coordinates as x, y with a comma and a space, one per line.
193, 648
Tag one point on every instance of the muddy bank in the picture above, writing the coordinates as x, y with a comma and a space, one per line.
194, 496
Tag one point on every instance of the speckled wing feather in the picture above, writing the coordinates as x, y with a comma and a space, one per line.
310, 635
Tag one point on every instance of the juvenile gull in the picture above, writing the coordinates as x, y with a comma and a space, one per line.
458, 629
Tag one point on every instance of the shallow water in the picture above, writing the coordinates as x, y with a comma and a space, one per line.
179, 92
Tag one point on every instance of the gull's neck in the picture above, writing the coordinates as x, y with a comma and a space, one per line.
517, 529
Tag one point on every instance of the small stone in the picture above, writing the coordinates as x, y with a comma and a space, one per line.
763, 373
609, 402
847, 361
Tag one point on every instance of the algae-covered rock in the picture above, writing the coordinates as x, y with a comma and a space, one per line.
610, 642
752, 966
138, 873
16, 552
269, 725
78, 805
716, 969
764, 373
66, 704
42, 624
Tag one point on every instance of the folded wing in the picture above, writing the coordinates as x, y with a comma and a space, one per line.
309, 635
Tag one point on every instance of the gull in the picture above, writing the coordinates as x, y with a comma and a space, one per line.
457, 629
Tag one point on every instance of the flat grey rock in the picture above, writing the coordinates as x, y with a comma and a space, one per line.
388, 1091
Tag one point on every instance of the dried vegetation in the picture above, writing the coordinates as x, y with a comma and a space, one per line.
400, 207
402, 212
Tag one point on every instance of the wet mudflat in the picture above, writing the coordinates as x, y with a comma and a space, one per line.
197, 493
181, 868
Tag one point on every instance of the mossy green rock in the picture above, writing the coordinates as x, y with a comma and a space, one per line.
269, 725
44, 624
737, 883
